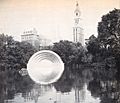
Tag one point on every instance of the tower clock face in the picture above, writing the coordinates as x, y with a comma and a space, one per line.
77, 13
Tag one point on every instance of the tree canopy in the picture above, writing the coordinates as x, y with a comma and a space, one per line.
70, 52
109, 29
13, 54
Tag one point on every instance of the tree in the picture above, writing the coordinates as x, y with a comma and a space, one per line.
14, 55
93, 47
65, 50
108, 41
19, 54
109, 34
69, 52
109, 29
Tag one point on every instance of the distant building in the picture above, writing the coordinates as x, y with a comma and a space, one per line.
45, 43
78, 35
31, 37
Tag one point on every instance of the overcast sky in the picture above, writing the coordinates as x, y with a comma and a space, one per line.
54, 19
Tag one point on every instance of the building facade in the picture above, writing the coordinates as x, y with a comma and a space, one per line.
31, 37
78, 35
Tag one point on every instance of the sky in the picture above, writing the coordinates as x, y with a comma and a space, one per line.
53, 19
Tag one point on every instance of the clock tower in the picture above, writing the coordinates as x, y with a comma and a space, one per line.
77, 29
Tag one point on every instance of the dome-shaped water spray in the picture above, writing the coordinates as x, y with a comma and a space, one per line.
45, 67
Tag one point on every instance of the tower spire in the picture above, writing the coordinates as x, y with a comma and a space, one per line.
77, 29
77, 4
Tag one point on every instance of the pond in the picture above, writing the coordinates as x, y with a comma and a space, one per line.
75, 86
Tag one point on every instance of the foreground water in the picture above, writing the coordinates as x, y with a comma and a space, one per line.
77, 86
48, 94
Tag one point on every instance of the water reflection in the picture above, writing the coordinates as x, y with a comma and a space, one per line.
75, 86
36, 92
108, 91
